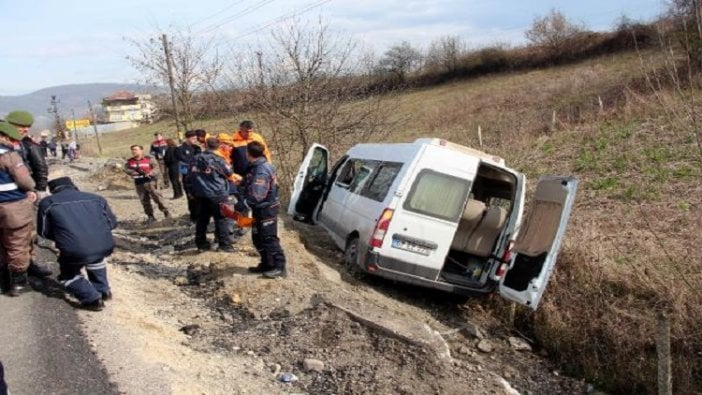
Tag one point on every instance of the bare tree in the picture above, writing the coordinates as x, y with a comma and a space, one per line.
305, 89
197, 67
400, 59
446, 52
552, 31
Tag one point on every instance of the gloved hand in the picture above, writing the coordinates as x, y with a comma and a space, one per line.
141, 172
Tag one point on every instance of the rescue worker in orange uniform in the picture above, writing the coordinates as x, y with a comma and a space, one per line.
17, 199
240, 138
144, 170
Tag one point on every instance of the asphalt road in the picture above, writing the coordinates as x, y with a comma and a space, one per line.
42, 346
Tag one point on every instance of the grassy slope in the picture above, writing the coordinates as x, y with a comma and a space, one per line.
632, 239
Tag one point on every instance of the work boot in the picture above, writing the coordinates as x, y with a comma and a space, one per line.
275, 273
37, 270
167, 214
106, 296
151, 219
97, 305
258, 269
18, 284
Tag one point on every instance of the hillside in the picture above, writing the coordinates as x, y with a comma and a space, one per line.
631, 249
72, 97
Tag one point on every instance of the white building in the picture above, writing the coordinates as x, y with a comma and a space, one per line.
124, 106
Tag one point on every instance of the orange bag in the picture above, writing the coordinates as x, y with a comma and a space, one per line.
227, 210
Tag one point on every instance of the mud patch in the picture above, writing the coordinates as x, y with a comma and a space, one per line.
356, 357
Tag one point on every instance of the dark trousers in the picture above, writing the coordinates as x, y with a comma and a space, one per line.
86, 290
3, 384
192, 202
208, 208
164, 173
147, 192
174, 176
265, 238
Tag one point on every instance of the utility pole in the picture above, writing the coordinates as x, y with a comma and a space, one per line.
75, 132
57, 119
97, 135
167, 51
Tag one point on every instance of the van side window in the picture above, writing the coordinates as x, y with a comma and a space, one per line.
438, 195
347, 173
377, 189
362, 176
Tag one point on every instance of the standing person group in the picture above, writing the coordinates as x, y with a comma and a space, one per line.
231, 167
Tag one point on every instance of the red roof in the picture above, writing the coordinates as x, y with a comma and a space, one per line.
121, 95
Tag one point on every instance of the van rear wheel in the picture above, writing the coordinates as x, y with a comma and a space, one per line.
351, 258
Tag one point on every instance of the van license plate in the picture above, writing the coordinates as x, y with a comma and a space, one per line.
411, 247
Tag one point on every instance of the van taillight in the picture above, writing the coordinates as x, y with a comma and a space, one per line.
381, 228
506, 258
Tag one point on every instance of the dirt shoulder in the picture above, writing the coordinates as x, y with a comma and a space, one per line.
183, 322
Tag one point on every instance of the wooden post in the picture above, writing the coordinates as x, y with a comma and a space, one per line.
553, 120
97, 135
665, 384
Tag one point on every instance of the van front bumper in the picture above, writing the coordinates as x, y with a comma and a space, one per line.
406, 272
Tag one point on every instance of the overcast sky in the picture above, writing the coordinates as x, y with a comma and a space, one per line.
49, 43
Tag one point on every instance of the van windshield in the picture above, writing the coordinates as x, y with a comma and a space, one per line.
438, 195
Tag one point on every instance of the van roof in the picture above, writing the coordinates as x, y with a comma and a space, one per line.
462, 148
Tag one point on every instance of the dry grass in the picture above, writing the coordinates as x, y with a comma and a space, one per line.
632, 244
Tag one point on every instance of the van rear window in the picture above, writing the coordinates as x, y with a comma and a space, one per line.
438, 195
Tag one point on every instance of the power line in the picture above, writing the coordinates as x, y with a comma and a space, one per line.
281, 19
220, 12
230, 18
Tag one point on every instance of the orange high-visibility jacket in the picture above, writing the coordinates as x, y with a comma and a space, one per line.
240, 161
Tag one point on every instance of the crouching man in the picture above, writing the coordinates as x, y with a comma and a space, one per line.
80, 224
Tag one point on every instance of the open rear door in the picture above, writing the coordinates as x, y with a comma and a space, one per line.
538, 242
309, 183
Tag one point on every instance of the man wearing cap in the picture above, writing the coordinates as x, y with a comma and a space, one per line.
33, 157
16, 212
80, 224
144, 171
158, 151
31, 151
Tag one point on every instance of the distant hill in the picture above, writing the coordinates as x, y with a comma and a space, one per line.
71, 97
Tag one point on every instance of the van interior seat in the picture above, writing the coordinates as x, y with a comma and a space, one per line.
472, 214
482, 241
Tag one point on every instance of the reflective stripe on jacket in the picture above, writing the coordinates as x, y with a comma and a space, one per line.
15, 179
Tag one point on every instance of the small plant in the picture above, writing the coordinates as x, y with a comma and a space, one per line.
605, 184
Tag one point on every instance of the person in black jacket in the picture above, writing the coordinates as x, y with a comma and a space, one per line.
184, 154
259, 193
81, 224
171, 163
208, 180
34, 159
